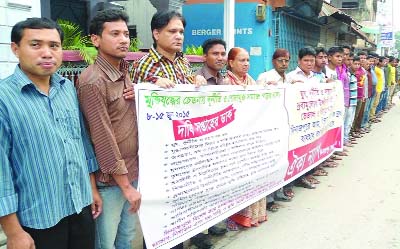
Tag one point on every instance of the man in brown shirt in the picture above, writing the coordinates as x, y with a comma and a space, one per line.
214, 61
113, 129
214, 53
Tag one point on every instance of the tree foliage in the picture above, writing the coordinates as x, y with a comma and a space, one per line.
75, 40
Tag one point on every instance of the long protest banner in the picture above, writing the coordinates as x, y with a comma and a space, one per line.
207, 153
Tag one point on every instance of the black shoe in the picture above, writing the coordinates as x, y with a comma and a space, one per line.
201, 241
218, 231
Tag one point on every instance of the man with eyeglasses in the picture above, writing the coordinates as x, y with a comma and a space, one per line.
277, 75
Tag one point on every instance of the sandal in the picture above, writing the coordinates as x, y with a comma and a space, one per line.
288, 193
272, 207
231, 225
341, 153
320, 172
336, 158
303, 182
283, 198
330, 165
312, 180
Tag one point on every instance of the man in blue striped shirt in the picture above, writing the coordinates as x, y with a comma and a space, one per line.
45, 154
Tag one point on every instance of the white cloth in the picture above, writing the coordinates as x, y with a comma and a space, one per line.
271, 76
298, 75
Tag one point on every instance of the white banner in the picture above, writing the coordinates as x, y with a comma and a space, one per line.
207, 153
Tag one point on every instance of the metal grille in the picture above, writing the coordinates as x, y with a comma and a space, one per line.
293, 33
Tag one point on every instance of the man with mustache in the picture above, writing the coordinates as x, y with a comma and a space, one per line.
214, 61
277, 75
214, 54
165, 64
45, 153
111, 118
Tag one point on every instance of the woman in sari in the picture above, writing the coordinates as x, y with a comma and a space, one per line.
237, 74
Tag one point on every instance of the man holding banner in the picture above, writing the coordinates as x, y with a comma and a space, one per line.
112, 124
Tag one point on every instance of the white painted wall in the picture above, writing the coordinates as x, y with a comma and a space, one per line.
11, 12
140, 14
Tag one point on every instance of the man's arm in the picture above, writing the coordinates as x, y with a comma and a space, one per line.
17, 238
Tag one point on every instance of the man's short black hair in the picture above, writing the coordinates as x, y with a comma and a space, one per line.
373, 54
109, 15
209, 43
334, 50
320, 50
347, 47
356, 58
306, 51
362, 53
161, 19
34, 23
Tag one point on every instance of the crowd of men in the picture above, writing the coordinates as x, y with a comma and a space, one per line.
69, 154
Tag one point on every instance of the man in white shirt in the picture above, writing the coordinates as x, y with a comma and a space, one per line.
306, 62
304, 74
277, 75
335, 58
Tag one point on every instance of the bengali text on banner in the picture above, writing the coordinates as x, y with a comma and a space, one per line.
207, 153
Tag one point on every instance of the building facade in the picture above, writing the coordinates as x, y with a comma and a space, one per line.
11, 12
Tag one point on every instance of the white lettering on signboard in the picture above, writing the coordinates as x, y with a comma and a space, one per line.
206, 32
244, 31
238, 31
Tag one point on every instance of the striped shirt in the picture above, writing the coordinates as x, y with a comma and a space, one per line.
111, 119
154, 66
45, 153
353, 89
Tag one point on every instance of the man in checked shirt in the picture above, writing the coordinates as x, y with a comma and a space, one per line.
165, 64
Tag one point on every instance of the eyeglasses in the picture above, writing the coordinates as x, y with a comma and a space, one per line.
282, 61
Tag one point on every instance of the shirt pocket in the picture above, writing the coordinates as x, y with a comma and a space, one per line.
71, 123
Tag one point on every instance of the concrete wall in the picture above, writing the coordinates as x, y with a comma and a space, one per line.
140, 14
11, 12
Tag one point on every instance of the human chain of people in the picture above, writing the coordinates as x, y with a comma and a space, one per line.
188, 151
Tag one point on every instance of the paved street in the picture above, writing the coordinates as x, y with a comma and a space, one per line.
356, 206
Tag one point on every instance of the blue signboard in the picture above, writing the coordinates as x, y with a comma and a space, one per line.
205, 21
388, 36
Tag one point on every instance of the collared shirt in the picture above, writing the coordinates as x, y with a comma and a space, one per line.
271, 76
45, 153
353, 89
321, 76
373, 74
331, 73
342, 75
111, 119
368, 92
299, 75
380, 85
391, 75
211, 79
361, 79
154, 66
